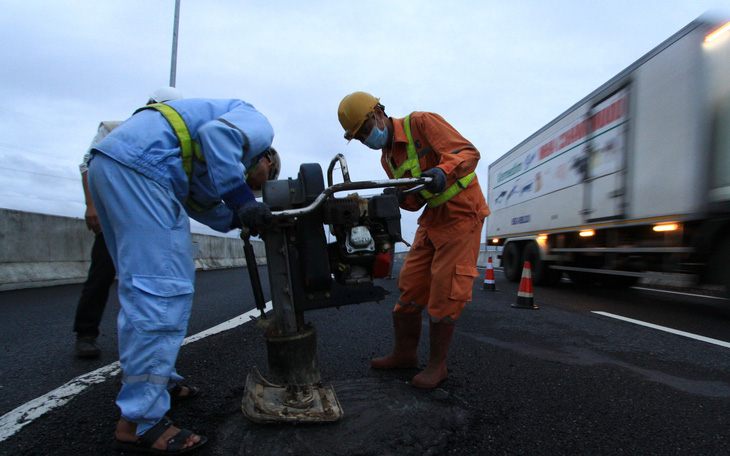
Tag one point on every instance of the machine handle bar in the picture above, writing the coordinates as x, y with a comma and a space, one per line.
349, 186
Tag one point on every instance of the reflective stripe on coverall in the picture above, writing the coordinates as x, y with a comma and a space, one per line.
140, 190
439, 270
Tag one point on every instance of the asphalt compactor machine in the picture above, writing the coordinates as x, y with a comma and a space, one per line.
307, 273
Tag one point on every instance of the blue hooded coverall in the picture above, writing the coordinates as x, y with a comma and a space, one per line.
141, 193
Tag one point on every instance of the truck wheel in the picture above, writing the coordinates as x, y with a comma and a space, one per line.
542, 274
512, 262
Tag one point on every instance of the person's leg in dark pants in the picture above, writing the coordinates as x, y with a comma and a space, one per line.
93, 299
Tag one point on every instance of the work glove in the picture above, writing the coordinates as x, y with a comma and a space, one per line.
255, 215
397, 191
438, 180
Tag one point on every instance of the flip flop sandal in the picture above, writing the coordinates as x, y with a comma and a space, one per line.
174, 443
175, 391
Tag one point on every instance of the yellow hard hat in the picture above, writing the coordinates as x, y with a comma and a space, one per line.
354, 110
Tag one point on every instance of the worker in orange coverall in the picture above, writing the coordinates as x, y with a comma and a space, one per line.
439, 270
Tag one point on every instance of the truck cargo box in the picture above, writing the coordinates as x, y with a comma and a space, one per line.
650, 146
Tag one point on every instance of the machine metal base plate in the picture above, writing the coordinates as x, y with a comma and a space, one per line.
264, 402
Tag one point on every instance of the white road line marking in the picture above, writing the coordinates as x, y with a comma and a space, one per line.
664, 328
679, 293
226, 325
13, 421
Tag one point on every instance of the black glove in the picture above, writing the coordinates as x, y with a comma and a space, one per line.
255, 215
397, 191
438, 180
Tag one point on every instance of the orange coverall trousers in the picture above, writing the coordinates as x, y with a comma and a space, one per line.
439, 278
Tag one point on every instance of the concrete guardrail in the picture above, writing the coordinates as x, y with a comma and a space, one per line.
39, 250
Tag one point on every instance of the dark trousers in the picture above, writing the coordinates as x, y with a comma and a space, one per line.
96, 290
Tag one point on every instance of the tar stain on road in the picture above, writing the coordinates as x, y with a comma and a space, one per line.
382, 417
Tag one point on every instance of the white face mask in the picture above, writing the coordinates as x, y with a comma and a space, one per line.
377, 139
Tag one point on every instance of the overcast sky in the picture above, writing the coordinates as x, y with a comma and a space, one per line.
496, 70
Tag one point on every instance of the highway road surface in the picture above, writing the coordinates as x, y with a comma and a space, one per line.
593, 371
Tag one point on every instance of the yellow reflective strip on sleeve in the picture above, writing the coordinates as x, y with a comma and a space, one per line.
178, 125
466, 180
441, 198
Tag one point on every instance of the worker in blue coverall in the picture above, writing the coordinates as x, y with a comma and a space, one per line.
200, 157
101, 271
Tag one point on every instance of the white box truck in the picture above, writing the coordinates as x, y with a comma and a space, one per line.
631, 181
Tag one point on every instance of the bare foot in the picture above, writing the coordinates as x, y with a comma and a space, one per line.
126, 432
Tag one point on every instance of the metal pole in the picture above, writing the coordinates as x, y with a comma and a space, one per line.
173, 65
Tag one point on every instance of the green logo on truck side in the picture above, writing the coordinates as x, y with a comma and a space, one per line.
509, 173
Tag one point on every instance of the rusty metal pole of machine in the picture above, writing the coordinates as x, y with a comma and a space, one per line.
300, 278
253, 271
296, 393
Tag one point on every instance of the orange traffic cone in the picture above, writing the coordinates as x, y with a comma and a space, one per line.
489, 277
524, 297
